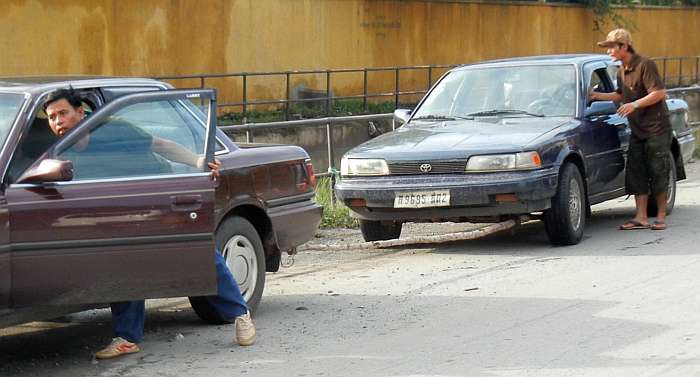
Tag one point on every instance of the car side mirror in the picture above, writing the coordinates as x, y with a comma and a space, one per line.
48, 170
601, 108
401, 116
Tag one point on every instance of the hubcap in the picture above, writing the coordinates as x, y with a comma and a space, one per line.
575, 204
671, 191
239, 254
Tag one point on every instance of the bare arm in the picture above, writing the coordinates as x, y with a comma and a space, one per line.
176, 152
650, 99
597, 96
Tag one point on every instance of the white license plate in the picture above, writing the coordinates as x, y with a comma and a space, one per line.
422, 199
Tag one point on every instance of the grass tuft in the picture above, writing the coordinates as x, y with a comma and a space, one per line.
335, 213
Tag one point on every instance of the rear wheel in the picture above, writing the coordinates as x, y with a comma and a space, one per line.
652, 208
239, 242
380, 230
565, 220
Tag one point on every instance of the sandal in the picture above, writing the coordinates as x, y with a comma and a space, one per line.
633, 224
658, 225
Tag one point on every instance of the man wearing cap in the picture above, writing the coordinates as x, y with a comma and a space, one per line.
642, 94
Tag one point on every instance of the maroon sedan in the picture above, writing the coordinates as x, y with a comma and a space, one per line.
125, 223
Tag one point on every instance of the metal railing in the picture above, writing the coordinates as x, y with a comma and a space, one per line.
328, 122
429, 72
674, 69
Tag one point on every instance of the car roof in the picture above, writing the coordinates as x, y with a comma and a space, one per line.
38, 84
576, 59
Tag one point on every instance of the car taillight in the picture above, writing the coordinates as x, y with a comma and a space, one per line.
306, 180
311, 176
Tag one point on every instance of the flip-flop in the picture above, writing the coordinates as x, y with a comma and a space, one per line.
658, 225
633, 224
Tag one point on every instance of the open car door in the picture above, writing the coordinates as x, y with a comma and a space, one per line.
135, 220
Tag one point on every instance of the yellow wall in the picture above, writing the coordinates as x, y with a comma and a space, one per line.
164, 37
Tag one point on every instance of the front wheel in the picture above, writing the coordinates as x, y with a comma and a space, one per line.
565, 220
652, 208
380, 230
239, 242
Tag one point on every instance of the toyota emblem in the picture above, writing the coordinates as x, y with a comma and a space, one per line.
426, 168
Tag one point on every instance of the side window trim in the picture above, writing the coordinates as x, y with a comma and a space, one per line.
115, 180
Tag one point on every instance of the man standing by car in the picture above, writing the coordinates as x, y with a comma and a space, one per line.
64, 111
642, 93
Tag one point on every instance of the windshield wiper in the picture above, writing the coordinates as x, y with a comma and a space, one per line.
441, 117
504, 111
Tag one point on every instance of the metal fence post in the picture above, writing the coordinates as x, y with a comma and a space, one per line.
697, 65
286, 103
664, 60
680, 71
331, 169
328, 93
245, 99
396, 90
364, 91
201, 82
430, 77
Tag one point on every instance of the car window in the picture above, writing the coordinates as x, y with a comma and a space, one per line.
36, 141
10, 104
144, 139
612, 73
110, 93
546, 90
164, 120
596, 82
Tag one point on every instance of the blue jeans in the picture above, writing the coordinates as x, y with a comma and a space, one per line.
128, 317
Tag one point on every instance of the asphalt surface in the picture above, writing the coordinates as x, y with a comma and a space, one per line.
621, 303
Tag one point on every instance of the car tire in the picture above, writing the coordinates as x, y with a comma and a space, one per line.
652, 208
565, 220
380, 230
239, 242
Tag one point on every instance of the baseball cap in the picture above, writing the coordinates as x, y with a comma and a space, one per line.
615, 37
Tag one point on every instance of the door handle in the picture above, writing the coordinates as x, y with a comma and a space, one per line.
182, 203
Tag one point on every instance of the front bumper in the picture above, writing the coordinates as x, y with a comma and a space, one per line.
471, 194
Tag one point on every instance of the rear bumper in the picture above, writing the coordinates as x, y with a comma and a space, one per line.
296, 222
471, 195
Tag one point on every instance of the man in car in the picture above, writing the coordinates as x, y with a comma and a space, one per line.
642, 93
64, 111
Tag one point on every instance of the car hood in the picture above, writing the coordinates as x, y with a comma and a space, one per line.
457, 139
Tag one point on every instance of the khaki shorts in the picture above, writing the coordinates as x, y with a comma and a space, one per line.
648, 164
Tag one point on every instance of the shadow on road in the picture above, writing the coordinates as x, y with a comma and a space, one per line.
351, 335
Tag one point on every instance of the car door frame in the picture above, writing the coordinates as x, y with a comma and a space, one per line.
30, 259
606, 159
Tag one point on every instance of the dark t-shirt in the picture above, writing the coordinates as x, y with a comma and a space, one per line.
640, 78
116, 149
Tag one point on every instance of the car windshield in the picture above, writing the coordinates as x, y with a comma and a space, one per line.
10, 105
522, 91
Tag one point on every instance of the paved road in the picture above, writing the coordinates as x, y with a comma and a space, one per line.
618, 304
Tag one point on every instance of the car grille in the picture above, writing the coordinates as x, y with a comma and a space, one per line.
437, 167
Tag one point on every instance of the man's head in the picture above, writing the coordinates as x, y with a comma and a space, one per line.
64, 109
618, 44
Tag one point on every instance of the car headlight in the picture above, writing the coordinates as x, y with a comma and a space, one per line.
514, 161
363, 166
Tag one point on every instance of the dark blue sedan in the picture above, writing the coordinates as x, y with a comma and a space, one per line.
502, 139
